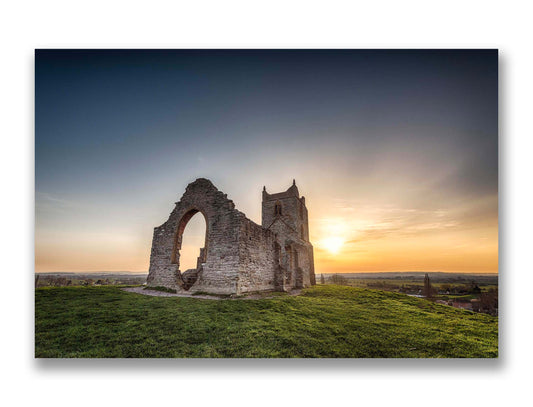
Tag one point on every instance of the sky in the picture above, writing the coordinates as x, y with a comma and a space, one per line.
396, 152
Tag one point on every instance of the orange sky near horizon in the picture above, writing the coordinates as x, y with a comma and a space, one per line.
348, 236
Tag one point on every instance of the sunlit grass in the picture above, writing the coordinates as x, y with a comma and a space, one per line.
325, 321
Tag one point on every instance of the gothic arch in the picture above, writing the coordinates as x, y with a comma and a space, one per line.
178, 237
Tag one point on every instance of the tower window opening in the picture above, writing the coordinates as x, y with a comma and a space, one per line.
277, 209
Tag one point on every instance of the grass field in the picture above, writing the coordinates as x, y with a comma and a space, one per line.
325, 321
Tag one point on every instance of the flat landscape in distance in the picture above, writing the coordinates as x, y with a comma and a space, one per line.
65, 279
475, 292
393, 275
326, 321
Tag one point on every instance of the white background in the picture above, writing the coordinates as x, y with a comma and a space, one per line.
26, 25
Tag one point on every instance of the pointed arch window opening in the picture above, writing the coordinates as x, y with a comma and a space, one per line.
278, 209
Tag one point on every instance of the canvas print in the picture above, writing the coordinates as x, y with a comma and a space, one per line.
241, 203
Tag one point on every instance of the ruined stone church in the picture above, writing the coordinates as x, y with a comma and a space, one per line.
239, 256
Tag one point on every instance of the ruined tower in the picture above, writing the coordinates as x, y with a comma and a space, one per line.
285, 214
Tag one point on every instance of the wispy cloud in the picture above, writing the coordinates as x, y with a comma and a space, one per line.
358, 222
47, 201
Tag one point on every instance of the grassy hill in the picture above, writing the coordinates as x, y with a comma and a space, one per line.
325, 321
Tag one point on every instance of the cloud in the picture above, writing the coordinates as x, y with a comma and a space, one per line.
44, 199
358, 223
374, 234
51, 205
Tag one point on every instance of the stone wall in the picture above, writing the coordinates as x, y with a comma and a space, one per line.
259, 266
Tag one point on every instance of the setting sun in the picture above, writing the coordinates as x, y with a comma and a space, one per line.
333, 244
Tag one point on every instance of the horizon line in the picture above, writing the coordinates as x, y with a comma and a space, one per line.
345, 272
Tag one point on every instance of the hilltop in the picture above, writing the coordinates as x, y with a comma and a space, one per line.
324, 321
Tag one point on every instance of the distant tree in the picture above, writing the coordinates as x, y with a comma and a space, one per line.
428, 289
322, 280
489, 301
474, 288
36, 279
338, 279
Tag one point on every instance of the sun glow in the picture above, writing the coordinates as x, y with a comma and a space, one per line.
332, 244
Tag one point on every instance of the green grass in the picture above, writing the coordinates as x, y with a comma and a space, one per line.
162, 289
325, 321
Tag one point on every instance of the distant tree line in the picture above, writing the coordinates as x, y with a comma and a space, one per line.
61, 281
338, 279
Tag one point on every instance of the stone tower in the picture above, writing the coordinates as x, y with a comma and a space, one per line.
285, 214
